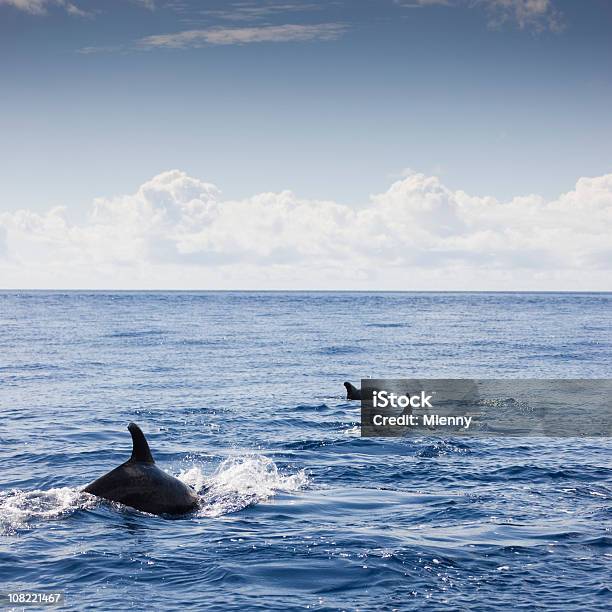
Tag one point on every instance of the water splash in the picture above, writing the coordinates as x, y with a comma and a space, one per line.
21, 509
239, 482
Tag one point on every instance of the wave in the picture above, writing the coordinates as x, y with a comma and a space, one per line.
341, 350
136, 333
387, 325
27, 367
444, 447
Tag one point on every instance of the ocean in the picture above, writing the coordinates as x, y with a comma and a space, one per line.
240, 395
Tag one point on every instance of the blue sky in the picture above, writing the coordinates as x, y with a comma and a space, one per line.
331, 100
501, 110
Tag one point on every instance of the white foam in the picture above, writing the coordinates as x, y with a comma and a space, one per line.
239, 482
19, 509
194, 477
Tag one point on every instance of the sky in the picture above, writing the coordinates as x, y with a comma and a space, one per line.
294, 144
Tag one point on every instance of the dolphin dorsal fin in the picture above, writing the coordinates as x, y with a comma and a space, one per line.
140, 447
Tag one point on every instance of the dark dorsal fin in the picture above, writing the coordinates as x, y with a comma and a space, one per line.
140, 446
352, 393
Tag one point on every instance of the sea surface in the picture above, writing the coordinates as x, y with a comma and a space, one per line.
241, 396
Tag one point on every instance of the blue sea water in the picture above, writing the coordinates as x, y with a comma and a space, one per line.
242, 393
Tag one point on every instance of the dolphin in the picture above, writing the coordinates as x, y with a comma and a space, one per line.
139, 483
352, 393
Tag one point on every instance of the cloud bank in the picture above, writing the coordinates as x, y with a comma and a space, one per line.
178, 232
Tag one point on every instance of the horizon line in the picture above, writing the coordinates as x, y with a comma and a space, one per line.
458, 291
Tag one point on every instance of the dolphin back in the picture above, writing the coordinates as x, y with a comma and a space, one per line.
139, 483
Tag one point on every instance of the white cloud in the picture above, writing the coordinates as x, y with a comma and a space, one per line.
39, 7
30, 6
244, 11
420, 3
178, 232
242, 36
527, 14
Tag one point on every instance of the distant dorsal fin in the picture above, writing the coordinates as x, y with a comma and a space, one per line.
140, 446
352, 393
